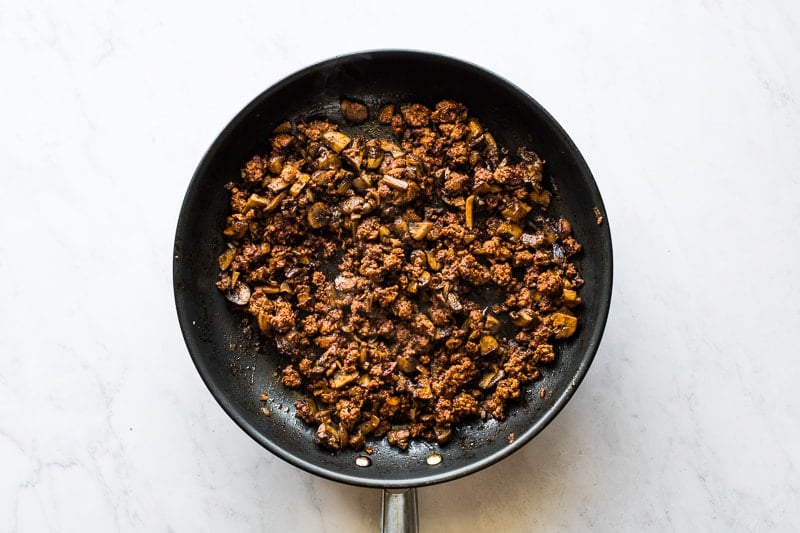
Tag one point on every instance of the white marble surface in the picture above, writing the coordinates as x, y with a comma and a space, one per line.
687, 112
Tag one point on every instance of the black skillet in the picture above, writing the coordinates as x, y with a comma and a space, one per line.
237, 367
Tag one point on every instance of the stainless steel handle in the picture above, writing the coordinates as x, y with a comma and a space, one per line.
399, 511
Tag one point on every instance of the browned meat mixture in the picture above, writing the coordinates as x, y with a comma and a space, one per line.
410, 283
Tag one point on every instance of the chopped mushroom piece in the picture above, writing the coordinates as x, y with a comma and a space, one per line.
563, 325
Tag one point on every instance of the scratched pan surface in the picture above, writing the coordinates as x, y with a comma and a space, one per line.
238, 368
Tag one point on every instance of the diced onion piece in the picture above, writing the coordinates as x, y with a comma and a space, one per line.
256, 201
345, 283
304, 295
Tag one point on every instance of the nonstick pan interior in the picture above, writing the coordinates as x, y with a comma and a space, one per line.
237, 367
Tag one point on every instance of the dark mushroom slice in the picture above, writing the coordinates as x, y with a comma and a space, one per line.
374, 154
318, 215
240, 294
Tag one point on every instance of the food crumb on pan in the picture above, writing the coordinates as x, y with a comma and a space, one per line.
408, 284
542, 392
511, 437
266, 411
263, 397
598, 216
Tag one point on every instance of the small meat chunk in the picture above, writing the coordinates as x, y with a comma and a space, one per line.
448, 111
502, 274
549, 282
254, 169
456, 183
511, 176
291, 377
385, 114
472, 271
354, 112
399, 438
283, 319
417, 115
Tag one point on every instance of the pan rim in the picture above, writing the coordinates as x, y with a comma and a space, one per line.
587, 356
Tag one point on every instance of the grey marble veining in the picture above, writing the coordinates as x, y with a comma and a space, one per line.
688, 114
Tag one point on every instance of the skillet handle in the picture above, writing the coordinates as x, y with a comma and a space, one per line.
399, 511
